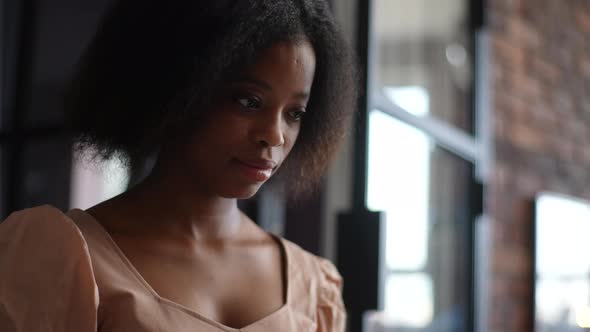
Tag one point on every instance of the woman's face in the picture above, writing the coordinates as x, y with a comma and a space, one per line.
252, 125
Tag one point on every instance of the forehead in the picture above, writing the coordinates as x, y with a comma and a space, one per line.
285, 61
298, 53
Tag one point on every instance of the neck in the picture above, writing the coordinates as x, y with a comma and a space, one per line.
171, 205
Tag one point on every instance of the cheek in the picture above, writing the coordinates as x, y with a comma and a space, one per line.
292, 134
223, 131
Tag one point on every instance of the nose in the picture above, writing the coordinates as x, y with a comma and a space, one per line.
269, 131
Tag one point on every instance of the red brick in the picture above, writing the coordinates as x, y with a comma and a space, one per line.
583, 21
584, 66
562, 102
582, 154
525, 137
576, 131
508, 55
525, 86
516, 108
543, 115
506, 6
541, 82
500, 175
563, 149
496, 21
523, 34
562, 56
547, 71
529, 183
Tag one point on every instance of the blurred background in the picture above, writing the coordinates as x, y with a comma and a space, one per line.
460, 199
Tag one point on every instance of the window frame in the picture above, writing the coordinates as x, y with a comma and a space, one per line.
474, 148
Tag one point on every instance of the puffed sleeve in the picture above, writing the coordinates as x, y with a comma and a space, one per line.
46, 278
331, 314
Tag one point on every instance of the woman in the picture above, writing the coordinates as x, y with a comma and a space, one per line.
226, 94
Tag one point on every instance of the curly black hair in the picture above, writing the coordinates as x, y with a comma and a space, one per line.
153, 64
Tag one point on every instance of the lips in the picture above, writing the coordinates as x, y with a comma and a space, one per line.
260, 163
258, 170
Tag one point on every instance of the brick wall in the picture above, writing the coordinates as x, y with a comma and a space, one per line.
541, 82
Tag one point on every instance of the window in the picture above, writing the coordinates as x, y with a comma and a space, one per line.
422, 154
562, 263
38, 50
92, 183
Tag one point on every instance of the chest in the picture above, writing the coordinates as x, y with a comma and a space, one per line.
235, 286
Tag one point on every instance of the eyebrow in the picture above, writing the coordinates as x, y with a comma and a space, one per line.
262, 84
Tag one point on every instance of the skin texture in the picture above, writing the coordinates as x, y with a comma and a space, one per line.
181, 227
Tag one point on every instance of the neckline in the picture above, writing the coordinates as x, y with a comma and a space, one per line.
285, 270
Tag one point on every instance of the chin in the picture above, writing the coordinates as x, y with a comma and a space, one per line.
241, 193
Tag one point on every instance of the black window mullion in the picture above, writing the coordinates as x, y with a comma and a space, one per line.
21, 32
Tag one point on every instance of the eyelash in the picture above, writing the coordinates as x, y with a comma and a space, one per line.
297, 115
249, 103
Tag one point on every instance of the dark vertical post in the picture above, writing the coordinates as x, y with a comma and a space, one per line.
361, 139
359, 250
359, 230
3, 142
23, 39
475, 210
476, 22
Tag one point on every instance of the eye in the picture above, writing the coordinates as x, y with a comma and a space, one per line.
248, 102
297, 115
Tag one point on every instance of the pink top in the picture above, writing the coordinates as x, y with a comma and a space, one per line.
63, 272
